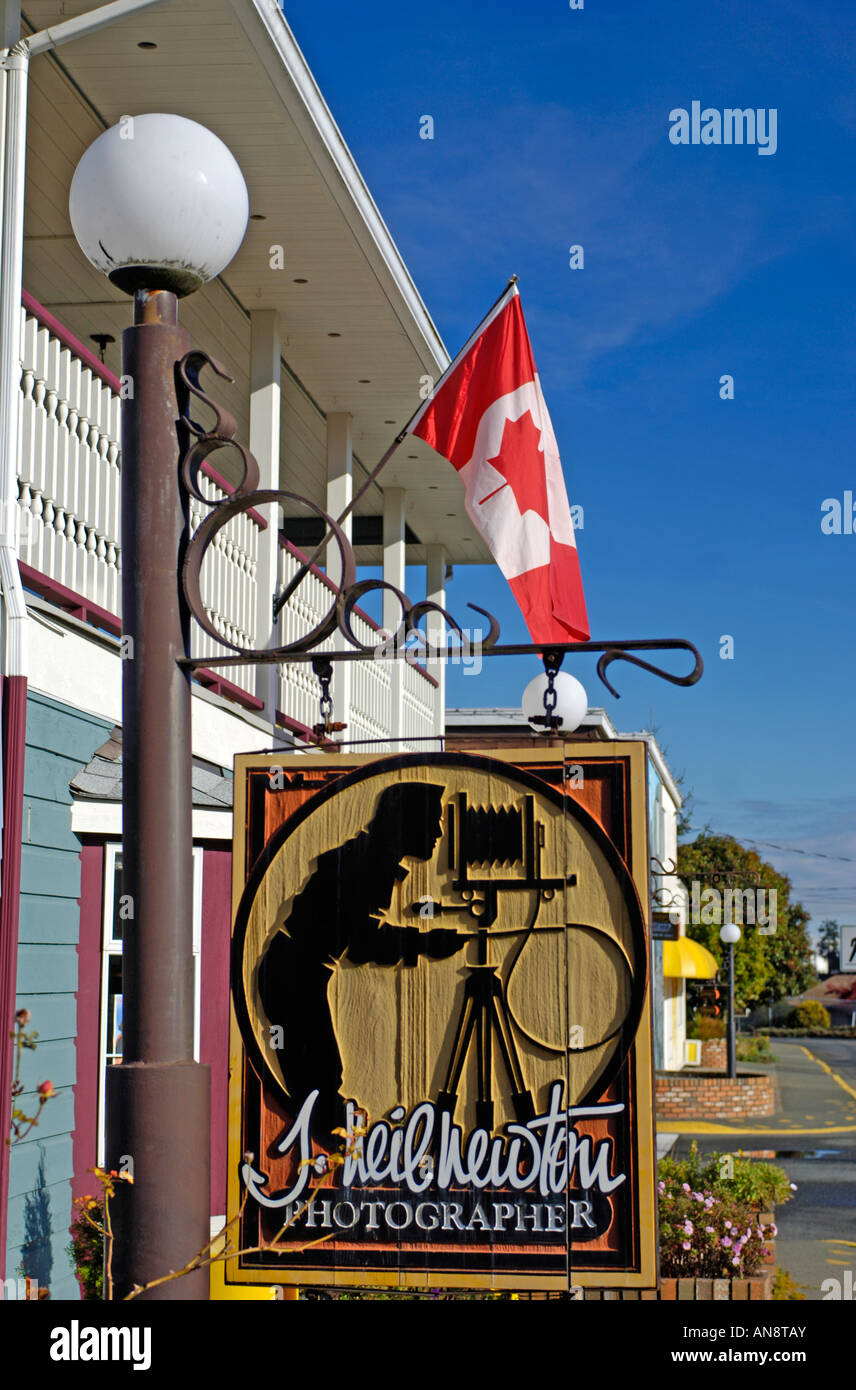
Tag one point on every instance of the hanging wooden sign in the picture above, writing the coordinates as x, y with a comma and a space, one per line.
440, 1056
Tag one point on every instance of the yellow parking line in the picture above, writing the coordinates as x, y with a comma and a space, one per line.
836, 1240
839, 1080
706, 1127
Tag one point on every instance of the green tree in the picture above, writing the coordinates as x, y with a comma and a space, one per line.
768, 966
828, 943
791, 953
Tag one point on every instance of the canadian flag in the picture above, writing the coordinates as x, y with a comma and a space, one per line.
488, 417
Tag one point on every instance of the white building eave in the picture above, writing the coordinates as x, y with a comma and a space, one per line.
268, 31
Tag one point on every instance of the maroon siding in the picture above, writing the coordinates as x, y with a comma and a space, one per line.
14, 734
85, 1138
214, 1023
214, 1026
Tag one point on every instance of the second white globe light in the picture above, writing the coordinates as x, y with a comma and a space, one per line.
571, 702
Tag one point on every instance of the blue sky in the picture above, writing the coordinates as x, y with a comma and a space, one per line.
702, 516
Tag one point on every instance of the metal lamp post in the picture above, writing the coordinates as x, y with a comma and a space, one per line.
159, 204
729, 935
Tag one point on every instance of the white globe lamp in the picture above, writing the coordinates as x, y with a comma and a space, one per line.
571, 703
158, 202
729, 934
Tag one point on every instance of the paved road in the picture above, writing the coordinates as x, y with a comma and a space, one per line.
814, 1139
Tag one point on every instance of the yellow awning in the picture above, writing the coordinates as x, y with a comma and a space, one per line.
687, 960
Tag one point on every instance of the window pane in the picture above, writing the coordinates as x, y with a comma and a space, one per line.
118, 889
114, 1010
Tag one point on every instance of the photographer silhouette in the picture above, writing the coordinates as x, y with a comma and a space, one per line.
337, 915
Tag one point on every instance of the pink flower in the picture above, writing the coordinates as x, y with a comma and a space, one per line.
688, 1227
687, 1245
772, 1228
711, 1230
45, 1089
735, 1261
685, 1186
726, 1241
728, 1225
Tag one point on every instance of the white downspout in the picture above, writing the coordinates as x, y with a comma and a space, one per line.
15, 64
13, 155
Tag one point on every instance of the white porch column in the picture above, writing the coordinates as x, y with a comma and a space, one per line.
265, 394
340, 490
394, 573
435, 592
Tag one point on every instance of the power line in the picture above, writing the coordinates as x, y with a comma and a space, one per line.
787, 849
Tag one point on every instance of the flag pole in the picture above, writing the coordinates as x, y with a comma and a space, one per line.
282, 599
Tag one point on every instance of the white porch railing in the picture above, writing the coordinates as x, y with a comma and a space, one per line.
419, 701
69, 486
229, 589
68, 470
299, 690
368, 711
69, 490
370, 715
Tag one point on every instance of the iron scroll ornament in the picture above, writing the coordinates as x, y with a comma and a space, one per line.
198, 443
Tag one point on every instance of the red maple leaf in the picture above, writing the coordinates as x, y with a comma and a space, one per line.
521, 463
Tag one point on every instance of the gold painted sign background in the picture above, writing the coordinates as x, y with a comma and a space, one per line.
569, 984
516, 907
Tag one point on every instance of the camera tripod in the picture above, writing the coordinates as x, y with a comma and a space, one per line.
491, 836
485, 1012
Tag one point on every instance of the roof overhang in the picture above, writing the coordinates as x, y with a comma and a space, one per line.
235, 66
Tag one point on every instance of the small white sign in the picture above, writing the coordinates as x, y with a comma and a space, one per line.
847, 950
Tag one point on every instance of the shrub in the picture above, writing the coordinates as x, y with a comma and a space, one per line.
809, 1014
754, 1050
87, 1246
785, 1287
706, 1028
810, 1032
761, 1185
706, 1234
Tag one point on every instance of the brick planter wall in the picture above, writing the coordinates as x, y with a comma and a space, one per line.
714, 1054
757, 1289
693, 1095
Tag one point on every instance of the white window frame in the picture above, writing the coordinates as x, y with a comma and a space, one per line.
109, 947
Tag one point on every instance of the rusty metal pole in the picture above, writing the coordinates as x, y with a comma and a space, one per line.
158, 1099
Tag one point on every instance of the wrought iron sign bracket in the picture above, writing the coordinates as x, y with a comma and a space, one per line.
408, 641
